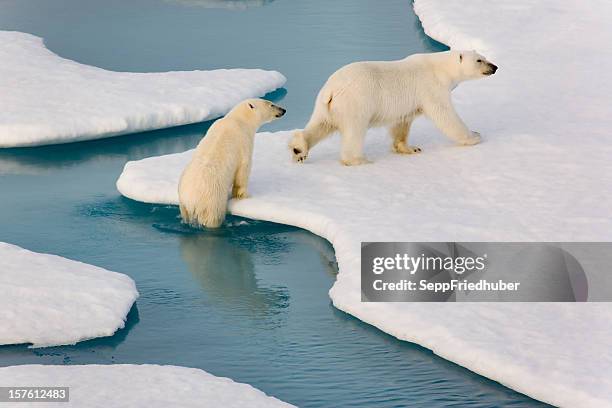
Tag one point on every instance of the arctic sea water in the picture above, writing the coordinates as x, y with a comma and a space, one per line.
248, 301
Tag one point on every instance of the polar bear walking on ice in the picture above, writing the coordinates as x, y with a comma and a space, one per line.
222, 163
391, 93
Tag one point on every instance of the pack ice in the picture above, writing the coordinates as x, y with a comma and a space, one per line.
542, 173
47, 99
47, 300
153, 386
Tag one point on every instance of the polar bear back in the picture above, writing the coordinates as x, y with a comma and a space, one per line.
381, 91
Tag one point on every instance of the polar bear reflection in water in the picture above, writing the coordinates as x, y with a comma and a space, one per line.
225, 269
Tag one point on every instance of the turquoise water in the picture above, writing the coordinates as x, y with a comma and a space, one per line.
248, 301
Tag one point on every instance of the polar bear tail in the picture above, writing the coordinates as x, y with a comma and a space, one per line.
320, 124
323, 104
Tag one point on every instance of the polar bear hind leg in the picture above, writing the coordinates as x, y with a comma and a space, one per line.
185, 216
353, 137
399, 132
212, 215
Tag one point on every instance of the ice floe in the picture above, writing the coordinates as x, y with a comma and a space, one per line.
543, 173
47, 99
47, 300
151, 386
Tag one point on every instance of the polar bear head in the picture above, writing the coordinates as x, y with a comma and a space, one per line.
473, 65
258, 111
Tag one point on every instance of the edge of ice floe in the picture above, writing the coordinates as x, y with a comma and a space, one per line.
119, 314
89, 385
34, 134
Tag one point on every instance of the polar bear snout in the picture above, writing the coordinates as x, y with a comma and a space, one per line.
280, 111
491, 69
264, 110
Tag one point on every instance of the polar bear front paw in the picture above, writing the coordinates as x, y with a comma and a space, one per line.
299, 156
472, 140
240, 194
298, 147
357, 161
403, 148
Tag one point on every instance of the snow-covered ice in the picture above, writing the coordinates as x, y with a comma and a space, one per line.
543, 173
48, 300
137, 386
47, 99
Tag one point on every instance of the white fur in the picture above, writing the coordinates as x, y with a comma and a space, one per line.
222, 160
391, 93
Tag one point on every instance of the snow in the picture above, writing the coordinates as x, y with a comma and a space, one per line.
131, 386
47, 99
543, 173
48, 300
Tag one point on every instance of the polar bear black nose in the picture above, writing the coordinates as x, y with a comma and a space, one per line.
297, 151
493, 68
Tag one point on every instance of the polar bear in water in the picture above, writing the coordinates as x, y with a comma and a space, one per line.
222, 163
391, 93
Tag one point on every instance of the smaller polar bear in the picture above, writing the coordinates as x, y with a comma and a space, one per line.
391, 93
222, 160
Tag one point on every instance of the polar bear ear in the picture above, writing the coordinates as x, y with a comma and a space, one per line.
251, 106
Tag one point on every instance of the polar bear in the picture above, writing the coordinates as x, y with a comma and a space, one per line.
221, 160
391, 93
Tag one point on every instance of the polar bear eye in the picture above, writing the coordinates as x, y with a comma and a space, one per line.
479, 60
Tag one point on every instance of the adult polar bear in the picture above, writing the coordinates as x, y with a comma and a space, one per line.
391, 93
